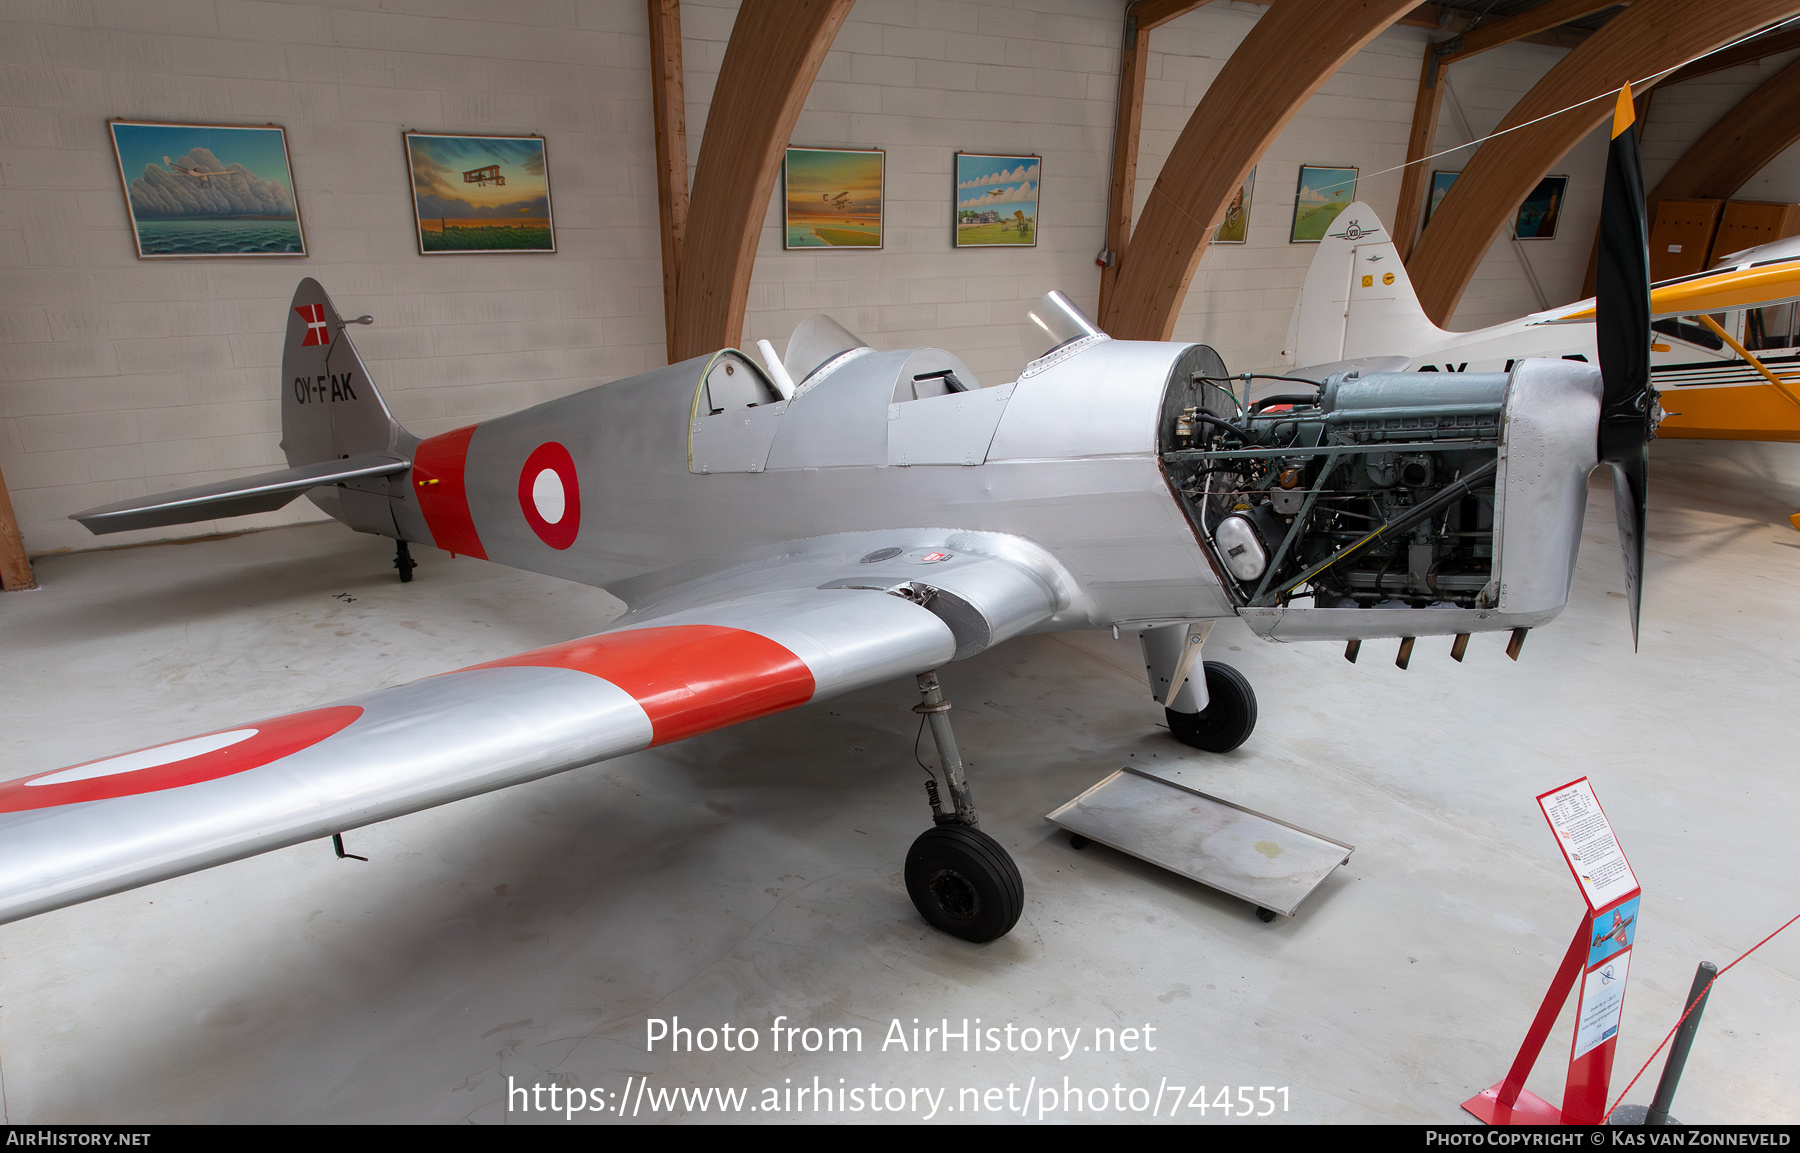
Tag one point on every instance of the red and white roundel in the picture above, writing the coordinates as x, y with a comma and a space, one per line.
550, 496
178, 763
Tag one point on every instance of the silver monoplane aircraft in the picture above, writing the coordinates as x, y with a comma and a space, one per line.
838, 517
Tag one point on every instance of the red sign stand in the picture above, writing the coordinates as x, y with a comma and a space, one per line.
1599, 955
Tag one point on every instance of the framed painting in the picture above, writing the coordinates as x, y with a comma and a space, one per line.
833, 197
1235, 228
1440, 184
996, 200
1538, 215
1321, 195
208, 190
476, 194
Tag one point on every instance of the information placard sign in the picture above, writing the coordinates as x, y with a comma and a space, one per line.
1602, 1003
1586, 839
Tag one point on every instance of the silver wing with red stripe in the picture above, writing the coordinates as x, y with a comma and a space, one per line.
700, 659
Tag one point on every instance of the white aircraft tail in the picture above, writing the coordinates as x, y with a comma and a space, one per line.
1357, 300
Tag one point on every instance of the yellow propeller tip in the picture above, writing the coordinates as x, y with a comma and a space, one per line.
1624, 112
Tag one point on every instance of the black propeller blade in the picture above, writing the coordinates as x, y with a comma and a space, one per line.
1622, 331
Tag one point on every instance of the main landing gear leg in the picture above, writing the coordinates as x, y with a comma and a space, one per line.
1209, 705
403, 561
959, 878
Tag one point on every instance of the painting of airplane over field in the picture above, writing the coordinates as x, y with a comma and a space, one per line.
1323, 193
833, 197
480, 193
996, 200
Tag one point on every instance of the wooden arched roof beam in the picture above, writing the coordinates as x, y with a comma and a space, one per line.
1292, 50
1141, 17
1651, 36
1761, 127
774, 54
1749, 52
1430, 101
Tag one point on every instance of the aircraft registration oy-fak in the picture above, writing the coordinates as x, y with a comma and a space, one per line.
841, 517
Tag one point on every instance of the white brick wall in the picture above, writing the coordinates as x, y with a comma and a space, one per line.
120, 376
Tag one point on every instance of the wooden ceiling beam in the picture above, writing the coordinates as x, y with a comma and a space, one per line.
1761, 127
669, 107
15, 567
1761, 47
774, 54
1293, 49
1430, 100
1155, 13
1128, 121
1420, 143
1527, 23
1649, 37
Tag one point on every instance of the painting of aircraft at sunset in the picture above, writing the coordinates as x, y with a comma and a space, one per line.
1724, 337
836, 518
480, 194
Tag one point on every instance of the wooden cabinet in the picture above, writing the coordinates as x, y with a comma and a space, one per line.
1681, 236
1746, 224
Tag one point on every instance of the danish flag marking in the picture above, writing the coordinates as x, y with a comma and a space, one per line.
316, 330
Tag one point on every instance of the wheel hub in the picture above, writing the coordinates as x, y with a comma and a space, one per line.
954, 895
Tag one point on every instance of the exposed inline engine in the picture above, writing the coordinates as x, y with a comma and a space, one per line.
1361, 491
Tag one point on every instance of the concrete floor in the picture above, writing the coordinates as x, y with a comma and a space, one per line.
527, 936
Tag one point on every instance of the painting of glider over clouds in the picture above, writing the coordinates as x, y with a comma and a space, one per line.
208, 190
480, 193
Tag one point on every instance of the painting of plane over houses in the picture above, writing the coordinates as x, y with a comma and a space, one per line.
208, 190
996, 200
834, 197
480, 193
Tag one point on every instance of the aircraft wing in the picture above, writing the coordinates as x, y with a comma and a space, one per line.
708, 655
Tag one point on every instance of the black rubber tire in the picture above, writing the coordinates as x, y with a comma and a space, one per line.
964, 883
1077, 841
1229, 717
1265, 915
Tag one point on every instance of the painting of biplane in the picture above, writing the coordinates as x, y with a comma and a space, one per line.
480, 193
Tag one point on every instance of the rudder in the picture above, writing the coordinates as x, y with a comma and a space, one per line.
330, 409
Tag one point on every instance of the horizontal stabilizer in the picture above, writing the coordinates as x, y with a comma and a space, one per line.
264, 492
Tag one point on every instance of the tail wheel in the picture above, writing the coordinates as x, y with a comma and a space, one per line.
1229, 716
964, 883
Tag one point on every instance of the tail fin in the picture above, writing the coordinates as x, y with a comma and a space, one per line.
1358, 300
329, 407
342, 444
